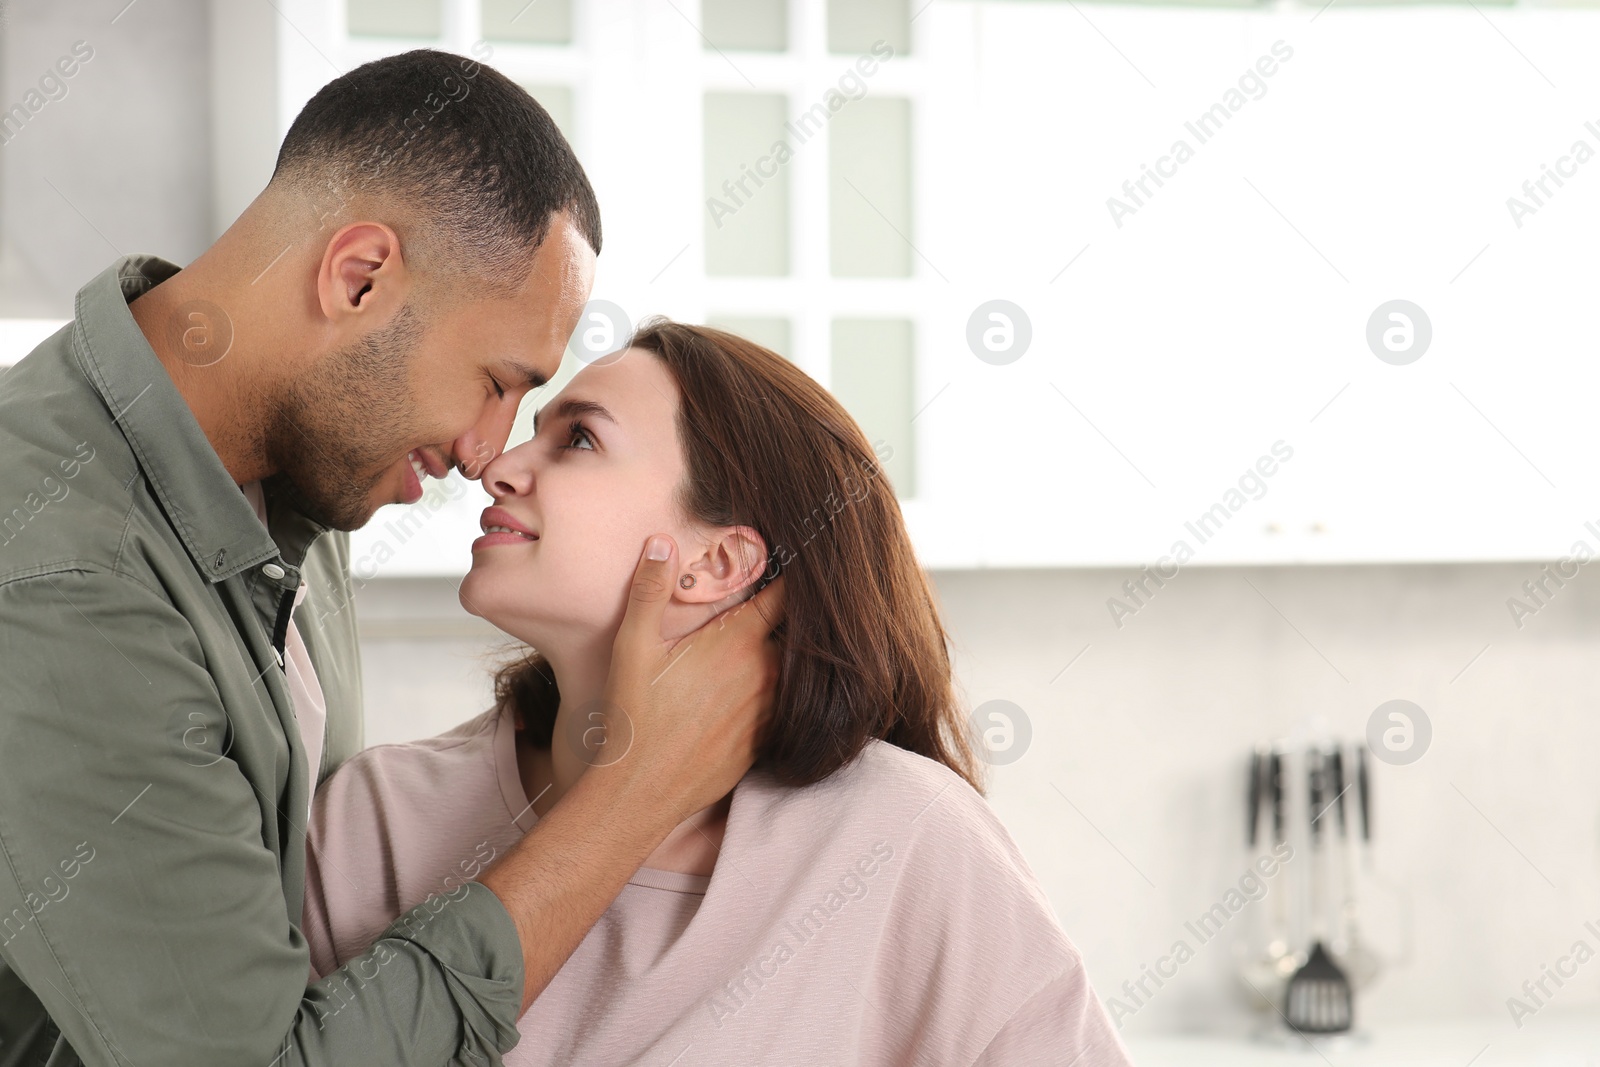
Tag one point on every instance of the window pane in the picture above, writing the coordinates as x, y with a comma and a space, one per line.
770, 333
536, 21
394, 18
870, 189
557, 100
855, 25
754, 25
747, 211
874, 377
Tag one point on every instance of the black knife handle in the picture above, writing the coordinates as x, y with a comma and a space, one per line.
1253, 815
1275, 773
1364, 795
1336, 763
1314, 787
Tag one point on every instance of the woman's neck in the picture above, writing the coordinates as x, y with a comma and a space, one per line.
547, 773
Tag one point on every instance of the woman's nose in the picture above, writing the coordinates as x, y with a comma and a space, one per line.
508, 475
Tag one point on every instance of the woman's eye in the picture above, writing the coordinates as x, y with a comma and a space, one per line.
501, 393
576, 431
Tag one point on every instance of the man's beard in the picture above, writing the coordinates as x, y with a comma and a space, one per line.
337, 428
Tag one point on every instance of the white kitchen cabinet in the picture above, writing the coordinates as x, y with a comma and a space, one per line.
1172, 346
1229, 311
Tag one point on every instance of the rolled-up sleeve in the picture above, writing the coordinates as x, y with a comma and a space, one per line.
139, 899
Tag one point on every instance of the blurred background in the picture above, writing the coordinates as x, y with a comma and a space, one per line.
1237, 365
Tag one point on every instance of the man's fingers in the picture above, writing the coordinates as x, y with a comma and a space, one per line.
769, 602
759, 615
649, 594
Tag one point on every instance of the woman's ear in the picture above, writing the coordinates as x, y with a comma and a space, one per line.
734, 560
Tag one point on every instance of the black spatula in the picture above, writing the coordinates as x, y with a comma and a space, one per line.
1319, 1000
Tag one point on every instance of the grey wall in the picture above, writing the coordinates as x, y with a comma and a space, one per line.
126, 147
1129, 801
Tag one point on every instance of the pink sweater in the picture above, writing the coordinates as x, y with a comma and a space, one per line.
883, 916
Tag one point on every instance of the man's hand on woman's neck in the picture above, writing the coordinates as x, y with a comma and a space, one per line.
691, 848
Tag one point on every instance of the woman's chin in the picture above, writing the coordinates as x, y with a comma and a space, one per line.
477, 594
487, 599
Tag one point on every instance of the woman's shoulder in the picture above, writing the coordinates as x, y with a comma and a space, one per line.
972, 934
931, 816
897, 789
453, 744
386, 781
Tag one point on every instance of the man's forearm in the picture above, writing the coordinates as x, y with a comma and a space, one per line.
561, 877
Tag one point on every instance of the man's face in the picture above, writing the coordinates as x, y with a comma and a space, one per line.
441, 394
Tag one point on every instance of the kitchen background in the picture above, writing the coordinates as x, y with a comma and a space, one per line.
1205, 448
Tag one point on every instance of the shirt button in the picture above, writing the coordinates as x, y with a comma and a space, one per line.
273, 571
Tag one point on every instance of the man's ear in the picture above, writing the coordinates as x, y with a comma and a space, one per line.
733, 560
362, 279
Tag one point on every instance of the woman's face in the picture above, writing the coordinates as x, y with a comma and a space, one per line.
595, 480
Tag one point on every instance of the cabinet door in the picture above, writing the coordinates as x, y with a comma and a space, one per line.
1201, 287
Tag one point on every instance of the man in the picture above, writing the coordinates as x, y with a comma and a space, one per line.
177, 643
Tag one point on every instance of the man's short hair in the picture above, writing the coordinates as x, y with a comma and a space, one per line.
479, 164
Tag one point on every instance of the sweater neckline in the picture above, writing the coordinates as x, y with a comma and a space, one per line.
520, 810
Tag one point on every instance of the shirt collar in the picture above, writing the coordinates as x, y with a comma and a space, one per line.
202, 501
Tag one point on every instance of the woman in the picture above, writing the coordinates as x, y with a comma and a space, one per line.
853, 900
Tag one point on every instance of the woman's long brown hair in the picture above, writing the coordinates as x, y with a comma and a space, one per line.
864, 651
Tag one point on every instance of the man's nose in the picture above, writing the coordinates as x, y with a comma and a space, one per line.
479, 446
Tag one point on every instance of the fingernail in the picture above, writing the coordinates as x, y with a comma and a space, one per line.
658, 549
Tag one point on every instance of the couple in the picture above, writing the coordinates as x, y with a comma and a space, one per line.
686, 832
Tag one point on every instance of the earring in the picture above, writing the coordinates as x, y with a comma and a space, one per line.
686, 581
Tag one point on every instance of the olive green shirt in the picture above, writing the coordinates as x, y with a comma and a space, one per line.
153, 783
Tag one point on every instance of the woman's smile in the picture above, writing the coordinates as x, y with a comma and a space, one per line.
500, 527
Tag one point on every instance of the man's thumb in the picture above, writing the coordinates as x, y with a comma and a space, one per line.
651, 590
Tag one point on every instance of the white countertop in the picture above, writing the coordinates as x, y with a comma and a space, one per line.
1484, 1042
